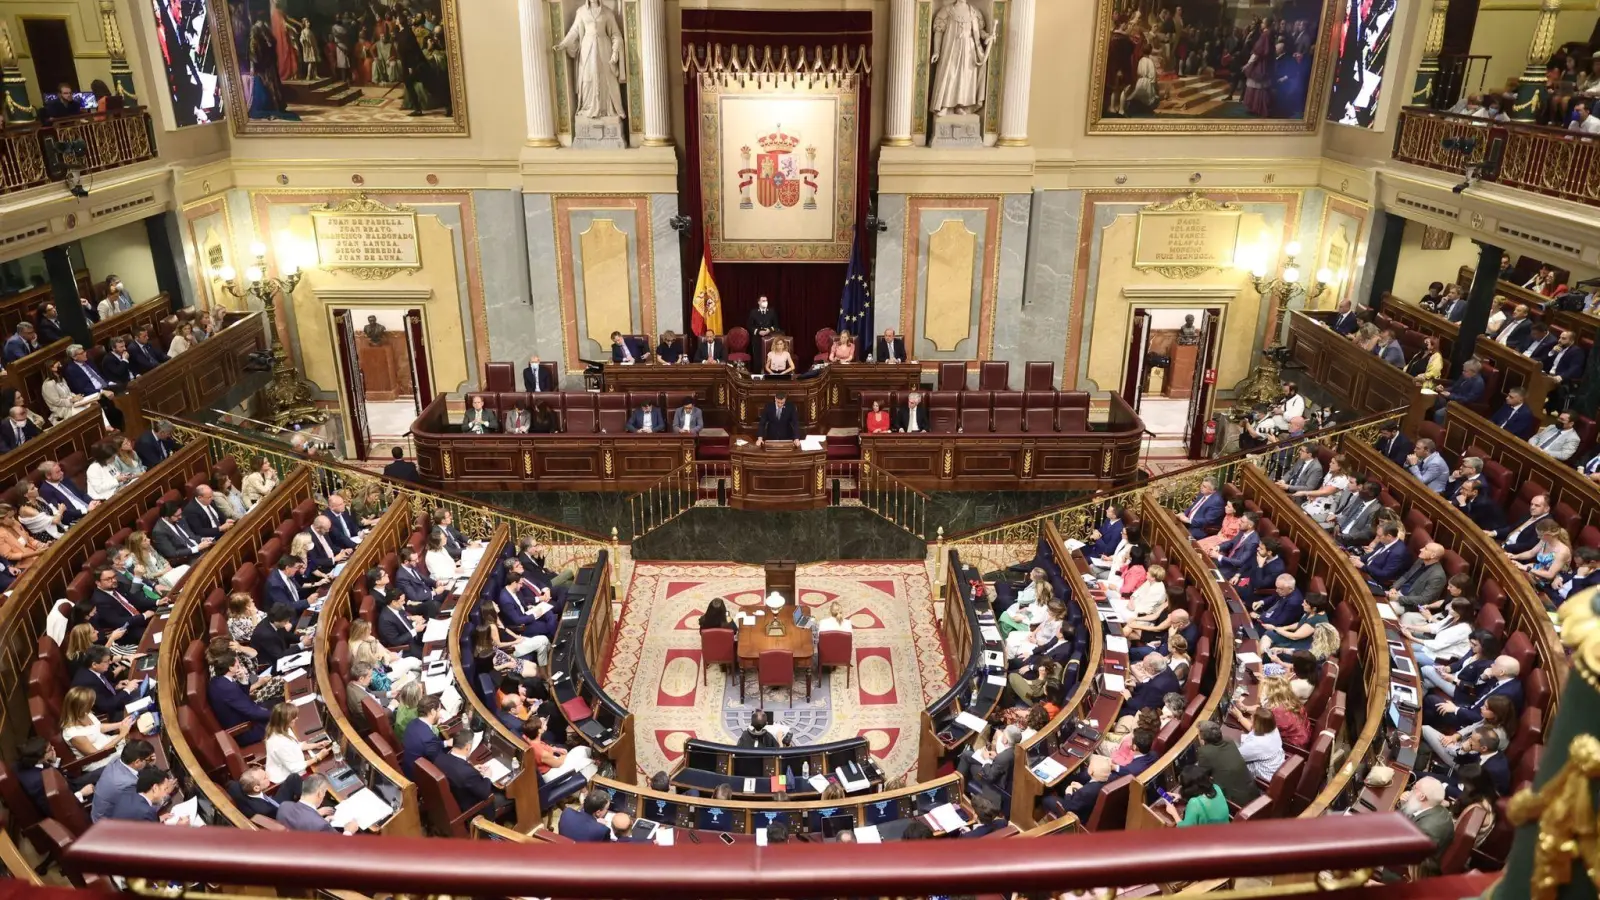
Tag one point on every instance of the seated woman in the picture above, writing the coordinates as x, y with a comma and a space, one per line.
1029, 610
843, 349
101, 479
835, 619
1261, 746
227, 495
83, 730
17, 546
877, 419
286, 753
716, 616
479, 419
1427, 367
1366, 337
390, 670
1114, 564
778, 361
1119, 746
1281, 640
1447, 637
405, 704
1550, 557
1023, 644
62, 402
541, 420
260, 482
1203, 801
1323, 502
441, 565
127, 461
1148, 602
554, 762
1284, 699
670, 350
491, 652
1231, 517
1131, 576
42, 520
1482, 648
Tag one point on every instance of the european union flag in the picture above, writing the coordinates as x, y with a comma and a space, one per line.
855, 304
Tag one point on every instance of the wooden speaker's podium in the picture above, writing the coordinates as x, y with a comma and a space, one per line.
778, 475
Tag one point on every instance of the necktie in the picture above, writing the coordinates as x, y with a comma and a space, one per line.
184, 533
94, 377
125, 604
18, 429
890, 346
1355, 518
627, 356
71, 496
211, 514
1547, 440
293, 591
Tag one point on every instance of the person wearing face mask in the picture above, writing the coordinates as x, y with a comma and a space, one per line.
762, 322
117, 299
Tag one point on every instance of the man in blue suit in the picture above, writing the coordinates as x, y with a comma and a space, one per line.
82, 377
1205, 513
20, 344
1105, 539
116, 611
1345, 322
1238, 554
109, 697
1517, 331
1539, 347
229, 695
1430, 468
647, 420
1284, 607
144, 354
1386, 561
1389, 350
1393, 443
1565, 365
1081, 797
1521, 537
17, 429
1515, 416
1264, 576
586, 827
627, 350
150, 793
1156, 681
1466, 390
421, 738
283, 586
117, 778
59, 490
423, 594
1500, 680
1143, 740
156, 444
517, 603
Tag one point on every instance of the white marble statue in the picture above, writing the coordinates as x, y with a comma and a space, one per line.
960, 54
596, 40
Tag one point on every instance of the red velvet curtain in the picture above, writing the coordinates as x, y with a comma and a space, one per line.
805, 295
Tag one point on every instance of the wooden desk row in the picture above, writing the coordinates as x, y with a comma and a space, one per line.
1516, 370
1468, 434
581, 647
1086, 461
705, 765
732, 399
972, 692
196, 378
1362, 383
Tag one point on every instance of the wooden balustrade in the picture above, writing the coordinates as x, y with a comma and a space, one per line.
24, 305
1360, 382
1516, 370
1551, 161
1465, 429
194, 379
110, 140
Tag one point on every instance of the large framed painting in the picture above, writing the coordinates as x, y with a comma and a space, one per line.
1213, 66
342, 67
778, 167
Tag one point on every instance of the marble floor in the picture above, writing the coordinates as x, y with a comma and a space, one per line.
390, 418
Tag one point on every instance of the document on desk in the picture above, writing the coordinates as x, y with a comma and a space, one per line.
663, 836
436, 630
495, 770
1048, 769
470, 557
1073, 545
433, 655
868, 834
971, 722
303, 699
946, 819
997, 680
1387, 612
819, 783
294, 661
1247, 659
435, 684
293, 674
1112, 681
761, 837
990, 633
539, 609
1116, 643
814, 442
364, 808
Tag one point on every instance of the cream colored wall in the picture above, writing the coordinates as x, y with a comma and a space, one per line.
1108, 332
123, 251
83, 27
1417, 268
1506, 27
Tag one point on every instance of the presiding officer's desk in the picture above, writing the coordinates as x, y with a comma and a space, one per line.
754, 772
731, 398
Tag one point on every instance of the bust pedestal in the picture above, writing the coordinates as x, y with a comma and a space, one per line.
1180, 376
377, 370
957, 130
598, 134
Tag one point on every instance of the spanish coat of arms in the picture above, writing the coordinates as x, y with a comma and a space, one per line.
777, 174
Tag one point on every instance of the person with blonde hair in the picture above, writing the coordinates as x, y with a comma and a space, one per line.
1148, 602
843, 349
779, 361
835, 619
1280, 697
390, 669
406, 703
286, 753
1550, 557
300, 548
17, 546
79, 640
1022, 644
155, 565
83, 730
1029, 608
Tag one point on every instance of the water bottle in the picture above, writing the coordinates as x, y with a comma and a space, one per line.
805, 770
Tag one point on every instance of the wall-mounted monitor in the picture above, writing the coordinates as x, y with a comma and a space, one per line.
183, 32
1361, 42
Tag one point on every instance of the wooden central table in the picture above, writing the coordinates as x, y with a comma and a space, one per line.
754, 639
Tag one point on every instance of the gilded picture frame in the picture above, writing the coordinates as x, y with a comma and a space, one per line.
1211, 94
280, 107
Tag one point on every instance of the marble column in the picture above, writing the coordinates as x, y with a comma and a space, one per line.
121, 72
1530, 87
536, 92
657, 73
1432, 44
902, 70
1018, 75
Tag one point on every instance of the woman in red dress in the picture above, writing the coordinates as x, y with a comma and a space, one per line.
877, 419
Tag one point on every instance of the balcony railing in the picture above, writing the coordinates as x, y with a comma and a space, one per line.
1547, 161
110, 140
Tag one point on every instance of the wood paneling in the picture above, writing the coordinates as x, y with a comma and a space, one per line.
1360, 382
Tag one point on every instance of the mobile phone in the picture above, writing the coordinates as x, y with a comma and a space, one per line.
726, 837
693, 838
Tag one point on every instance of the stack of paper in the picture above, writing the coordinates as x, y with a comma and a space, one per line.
990, 633
293, 674
186, 813
852, 784
868, 834
364, 808
818, 783
1116, 643
294, 661
946, 819
303, 699
1049, 769
495, 770
1248, 659
663, 836
1112, 682
971, 722
435, 684
436, 630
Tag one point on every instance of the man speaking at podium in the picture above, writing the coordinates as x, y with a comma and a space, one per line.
778, 422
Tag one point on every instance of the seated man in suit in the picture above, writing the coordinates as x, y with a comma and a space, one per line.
63, 103
82, 377
117, 365
688, 419
524, 607
1352, 526
1263, 578
1421, 584
156, 444
173, 539
17, 430
626, 350
1428, 466
401, 469
1079, 797
1559, 438
778, 422
1474, 500
646, 420
479, 418
1393, 443
587, 826
1515, 416
710, 349
1471, 469
49, 323
229, 695
97, 675
532, 556
421, 737
1517, 330
1345, 321
274, 637
454, 541
144, 353
150, 793
1154, 681
359, 688
302, 810
117, 779
59, 490
203, 516
1389, 350
20, 344
345, 529
1521, 537
115, 611
1306, 473
1501, 680
534, 379
282, 587
396, 628
1466, 390
1283, 607
323, 555
913, 417
889, 347
988, 769
1143, 742
1540, 344
1384, 563
1238, 554
468, 783
423, 595
250, 792
1205, 513
1565, 365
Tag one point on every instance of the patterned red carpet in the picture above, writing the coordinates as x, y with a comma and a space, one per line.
655, 667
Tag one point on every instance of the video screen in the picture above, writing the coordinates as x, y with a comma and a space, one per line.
183, 28
1362, 42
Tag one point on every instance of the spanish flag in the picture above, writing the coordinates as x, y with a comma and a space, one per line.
707, 311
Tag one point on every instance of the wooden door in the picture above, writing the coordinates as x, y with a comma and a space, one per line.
1134, 366
1204, 388
355, 390
417, 341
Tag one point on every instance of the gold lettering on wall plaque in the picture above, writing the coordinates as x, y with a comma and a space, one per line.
364, 234
1187, 236
603, 249
952, 256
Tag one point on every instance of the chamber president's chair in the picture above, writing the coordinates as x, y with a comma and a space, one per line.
824, 343
738, 341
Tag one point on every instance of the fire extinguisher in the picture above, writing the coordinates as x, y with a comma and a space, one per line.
1211, 431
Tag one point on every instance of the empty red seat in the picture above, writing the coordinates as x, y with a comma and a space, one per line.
994, 375
578, 413
1039, 376
1007, 415
1074, 411
952, 376
943, 417
975, 409
1039, 413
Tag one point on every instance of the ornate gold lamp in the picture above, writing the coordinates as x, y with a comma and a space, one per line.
1261, 386
292, 398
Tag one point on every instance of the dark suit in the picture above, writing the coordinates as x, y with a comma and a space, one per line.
514, 613
1468, 713
1081, 801
145, 357
203, 520
1135, 766
1205, 513
1262, 579
394, 630
318, 558
84, 378
1385, 564
880, 350
271, 644
402, 470
1238, 553
1106, 544
1526, 533
636, 349
1229, 771
345, 528
1280, 610
582, 827
280, 588
418, 589
1516, 334
62, 494
1149, 694
902, 418
108, 701
467, 784
712, 350
1395, 448
16, 348
1484, 512
637, 420
779, 425
1467, 390
11, 439
134, 808
420, 741
174, 540
535, 381
116, 369
110, 613
32, 781
1519, 421
1346, 323
50, 330
231, 705
1566, 364
152, 449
